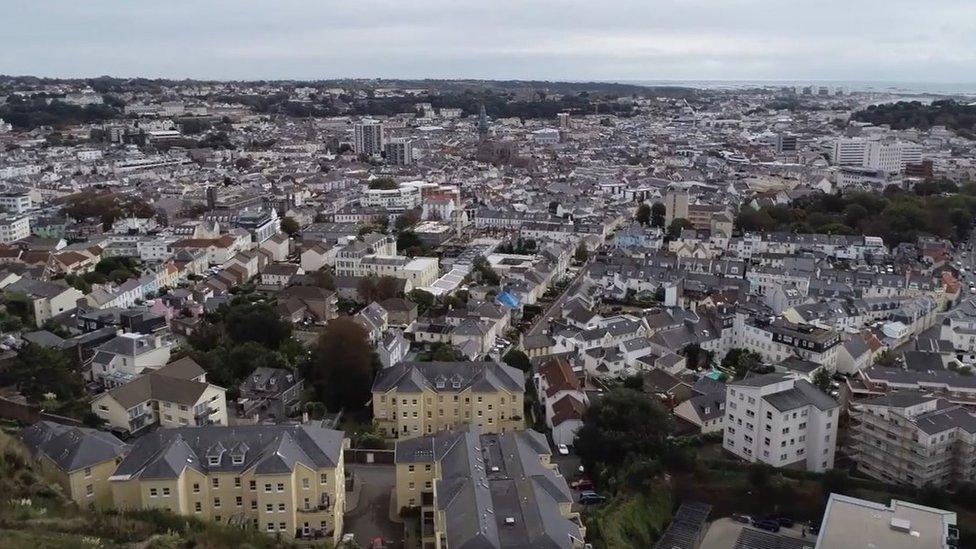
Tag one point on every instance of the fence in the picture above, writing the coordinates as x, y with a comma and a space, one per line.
368, 457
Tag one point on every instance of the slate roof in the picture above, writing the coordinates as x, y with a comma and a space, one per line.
270, 449
802, 394
494, 490
413, 377
72, 448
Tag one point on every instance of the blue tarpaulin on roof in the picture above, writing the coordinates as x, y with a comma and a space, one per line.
506, 299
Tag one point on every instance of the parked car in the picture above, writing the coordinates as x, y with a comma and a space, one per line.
766, 524
582, 483
785, 522
745, 519
591, 498
563, 450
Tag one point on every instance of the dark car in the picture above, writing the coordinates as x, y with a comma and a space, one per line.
768, 525
591, 498
583, 483
785, 522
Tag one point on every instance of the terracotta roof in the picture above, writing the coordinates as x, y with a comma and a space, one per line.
567, 408
559, 376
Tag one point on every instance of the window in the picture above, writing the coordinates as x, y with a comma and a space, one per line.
237, 482
165, 491
409, 468
239, 501
215, 482
410, 486
89, 490
267, 488
237, 460
153, 492
427, 467
216, 503
269, 508
323, 478
196, 487
281, 507
254, 504
271, 527
281, 486
305, 483
252, 485
87, 472
214, 460
197, 507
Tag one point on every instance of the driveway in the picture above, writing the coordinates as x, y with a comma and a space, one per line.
371, 516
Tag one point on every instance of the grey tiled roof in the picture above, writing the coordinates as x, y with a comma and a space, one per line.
72, 448
494, 489
480, 376
270, 449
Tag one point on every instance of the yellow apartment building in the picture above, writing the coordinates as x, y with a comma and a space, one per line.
420, 398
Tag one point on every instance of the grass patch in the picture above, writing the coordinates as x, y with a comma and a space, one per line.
629, 520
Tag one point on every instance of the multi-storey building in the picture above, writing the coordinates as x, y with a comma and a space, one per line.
486, 490
286, 480
416, 398
781, 421
402, 198
13, 227
82, 459
780, 339
368, 137
399, 152
175, 395
16, 203
853, 522
913, 438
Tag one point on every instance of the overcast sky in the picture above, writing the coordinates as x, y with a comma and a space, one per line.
889, 40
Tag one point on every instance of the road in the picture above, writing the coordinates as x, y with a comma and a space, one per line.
542, 321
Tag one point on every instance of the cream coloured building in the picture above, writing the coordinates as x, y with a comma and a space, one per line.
285, 480
417, 398
176, 395
82, 459
486, 490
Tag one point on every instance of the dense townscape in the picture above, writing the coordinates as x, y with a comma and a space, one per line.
470, 314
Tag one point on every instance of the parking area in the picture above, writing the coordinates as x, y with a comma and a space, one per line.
371, 517
724, 532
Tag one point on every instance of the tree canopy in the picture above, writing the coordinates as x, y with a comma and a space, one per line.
342, 366
624, 424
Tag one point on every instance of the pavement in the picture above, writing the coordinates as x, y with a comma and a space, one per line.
723, 533
371, 516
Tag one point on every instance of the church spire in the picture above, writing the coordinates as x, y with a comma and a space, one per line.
482, 123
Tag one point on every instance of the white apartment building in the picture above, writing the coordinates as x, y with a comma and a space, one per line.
781, 421
959, 327
13, 227
368, 137
876, 155
16, 203
399, 151
404, 197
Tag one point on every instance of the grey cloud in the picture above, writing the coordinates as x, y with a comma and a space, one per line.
564, 39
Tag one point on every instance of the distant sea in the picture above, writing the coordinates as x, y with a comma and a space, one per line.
897, 88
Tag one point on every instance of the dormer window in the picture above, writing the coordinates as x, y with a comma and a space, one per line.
237, 460
213, 460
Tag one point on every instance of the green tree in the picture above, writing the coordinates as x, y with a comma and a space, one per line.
342, 366
383, 183
517, 359
424, 300
658, 215
643, 215
624, 424
581, 254
290, 226
38, 371
258, 322
821, 379
741, 362
676, 226
886, 358
409, 243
